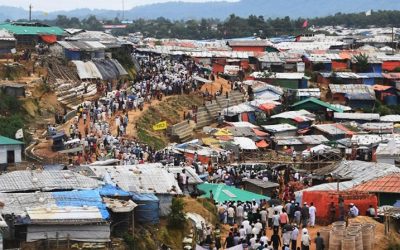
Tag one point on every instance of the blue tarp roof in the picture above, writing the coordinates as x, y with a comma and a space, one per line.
397, 204
110, 190
81, 198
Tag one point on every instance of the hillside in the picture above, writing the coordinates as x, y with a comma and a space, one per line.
185, 10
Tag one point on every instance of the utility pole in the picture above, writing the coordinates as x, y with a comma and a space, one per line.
123, 10
30, 12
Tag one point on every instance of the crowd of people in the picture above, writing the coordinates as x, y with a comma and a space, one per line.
250, 222
101, 125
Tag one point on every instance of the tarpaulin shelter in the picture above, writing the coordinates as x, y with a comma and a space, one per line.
147, 210
323, 199
224, 193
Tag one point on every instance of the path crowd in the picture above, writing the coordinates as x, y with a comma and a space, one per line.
95, 120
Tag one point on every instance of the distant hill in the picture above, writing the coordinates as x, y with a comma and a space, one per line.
221, 10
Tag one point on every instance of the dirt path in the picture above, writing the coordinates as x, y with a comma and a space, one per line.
134, 116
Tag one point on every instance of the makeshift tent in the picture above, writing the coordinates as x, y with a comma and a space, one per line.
81, 198
147, 210
224, 193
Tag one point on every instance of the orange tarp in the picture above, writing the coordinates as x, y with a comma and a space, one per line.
339, 65
262, 144
390, 65
267, 107
50, 39
323, 199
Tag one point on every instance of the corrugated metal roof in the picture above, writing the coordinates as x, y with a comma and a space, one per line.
18, 203
312, 92
142, 178
392, 148
369, 139
190, 172
390, 118
297, 115
301, 140
36, 180
252, 43
6, 36
351, 89
54, 215
279, 127
82, 45
385, 184
262, 184
358, 171
272, 57
356, 116
378, 126
333, 129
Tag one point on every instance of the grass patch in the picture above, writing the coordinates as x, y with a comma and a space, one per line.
170, 110
150, 140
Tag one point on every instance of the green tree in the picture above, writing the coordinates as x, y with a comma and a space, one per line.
362, 62
176, 218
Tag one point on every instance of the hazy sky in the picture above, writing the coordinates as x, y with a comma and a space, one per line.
51, 5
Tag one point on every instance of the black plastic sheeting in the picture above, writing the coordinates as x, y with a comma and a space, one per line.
107, 69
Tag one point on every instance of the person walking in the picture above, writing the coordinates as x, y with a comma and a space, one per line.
312, 211
319, 242
276, 240
305, 214
305, 240
293, 237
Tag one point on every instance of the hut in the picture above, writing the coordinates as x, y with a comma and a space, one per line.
257, 186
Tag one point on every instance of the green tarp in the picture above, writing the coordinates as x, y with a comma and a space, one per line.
224, 193
31, 29
311, 102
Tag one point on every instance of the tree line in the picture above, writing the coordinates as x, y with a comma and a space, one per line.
233, 26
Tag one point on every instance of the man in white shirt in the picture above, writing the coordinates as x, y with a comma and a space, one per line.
242, 232
271, 210
312, 211
305, 241
246, 225
183, 176
264, 217
231, 215
353, 211
239, 214
253, 241
286, 238
293, 237
264, 239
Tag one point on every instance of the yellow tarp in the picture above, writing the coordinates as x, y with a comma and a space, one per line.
210, 141
160, 126
223, 132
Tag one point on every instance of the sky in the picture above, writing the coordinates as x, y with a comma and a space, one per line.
52, 5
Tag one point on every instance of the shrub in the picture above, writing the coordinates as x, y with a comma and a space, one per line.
176, 218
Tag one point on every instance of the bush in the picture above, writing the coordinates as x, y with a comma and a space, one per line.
10, 124
176, 218
129, 241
